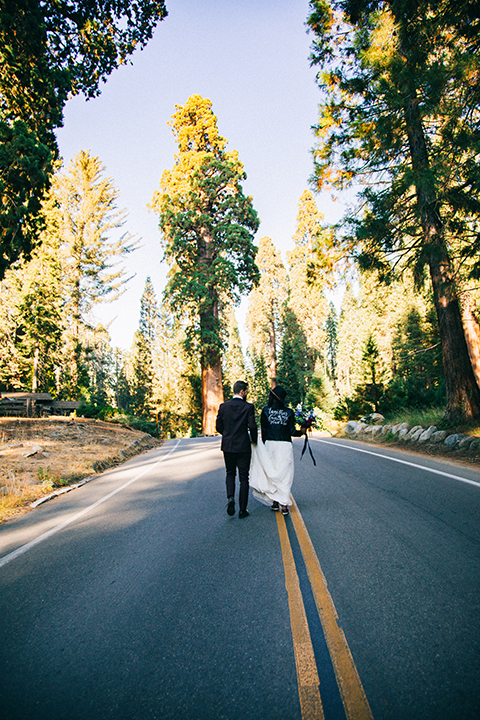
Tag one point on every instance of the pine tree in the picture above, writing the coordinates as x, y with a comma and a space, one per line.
141, 379
143, 373
373, 371
418, 372
350, 327
81, 214
310, 269
293, 368
265, 305
149, 314
321, 393
258, 380
100, 363
31, 321
331, 331
233, 361
401, 116
177, 382
121, 385
207, 226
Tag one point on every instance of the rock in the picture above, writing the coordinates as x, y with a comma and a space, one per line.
402, 433
425, 436
376, 418
452, 440
413, 430
466, 442
401, 426
417, 434
439, 436
475, 445
33, 451
386, 430
351, 427
369, 429
377, 430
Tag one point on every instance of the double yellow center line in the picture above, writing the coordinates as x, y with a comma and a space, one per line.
351, 691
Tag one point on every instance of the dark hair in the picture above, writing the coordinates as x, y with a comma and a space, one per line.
239, 385
277, 395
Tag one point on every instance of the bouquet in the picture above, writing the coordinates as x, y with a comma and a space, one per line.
305, 417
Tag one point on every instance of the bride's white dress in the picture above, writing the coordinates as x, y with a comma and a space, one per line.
271, 471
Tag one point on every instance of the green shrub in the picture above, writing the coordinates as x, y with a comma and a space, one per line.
99, 412
135, 423
352, 408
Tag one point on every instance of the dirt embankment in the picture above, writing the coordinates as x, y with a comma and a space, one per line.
38, 456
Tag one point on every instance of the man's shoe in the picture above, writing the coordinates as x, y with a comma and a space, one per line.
275, 506
231, 506
284, 510
243, 514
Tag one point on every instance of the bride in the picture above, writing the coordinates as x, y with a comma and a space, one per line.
271, 468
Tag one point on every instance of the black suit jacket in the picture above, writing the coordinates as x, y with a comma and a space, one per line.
235, 418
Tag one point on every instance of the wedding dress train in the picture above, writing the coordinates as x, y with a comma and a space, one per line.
271, 471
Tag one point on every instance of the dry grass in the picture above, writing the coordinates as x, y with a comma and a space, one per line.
68, 451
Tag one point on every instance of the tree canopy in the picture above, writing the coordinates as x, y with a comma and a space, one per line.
401, 116
49, 51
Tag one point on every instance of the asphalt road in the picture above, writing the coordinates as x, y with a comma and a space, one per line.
137, 597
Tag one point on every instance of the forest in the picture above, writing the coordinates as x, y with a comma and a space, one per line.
399, 125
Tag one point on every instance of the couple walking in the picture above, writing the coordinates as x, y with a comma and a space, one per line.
266, 466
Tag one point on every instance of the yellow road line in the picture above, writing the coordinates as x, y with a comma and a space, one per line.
351, 690
307, 674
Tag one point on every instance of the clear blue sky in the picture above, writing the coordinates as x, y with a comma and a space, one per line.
250, 57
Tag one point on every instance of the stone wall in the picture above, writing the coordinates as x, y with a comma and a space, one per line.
415, 437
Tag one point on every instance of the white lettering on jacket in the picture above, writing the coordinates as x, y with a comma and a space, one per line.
277, 417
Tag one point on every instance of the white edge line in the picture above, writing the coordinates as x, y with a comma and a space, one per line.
402, 462
23, 548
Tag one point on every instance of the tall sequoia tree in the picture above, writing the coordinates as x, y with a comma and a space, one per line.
50, 50
401, 116
207, 226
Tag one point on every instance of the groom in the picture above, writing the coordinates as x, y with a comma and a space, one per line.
234, 421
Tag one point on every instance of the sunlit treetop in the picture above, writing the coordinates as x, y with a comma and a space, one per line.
195, 127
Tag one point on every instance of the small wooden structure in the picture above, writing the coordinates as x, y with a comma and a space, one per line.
24, 404
64, 407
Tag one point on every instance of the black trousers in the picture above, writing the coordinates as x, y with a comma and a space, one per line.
242, 462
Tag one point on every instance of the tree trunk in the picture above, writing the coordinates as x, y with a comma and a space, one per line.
471, 329
273, 358
35, 370
463, 393
272, 343
212, 395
